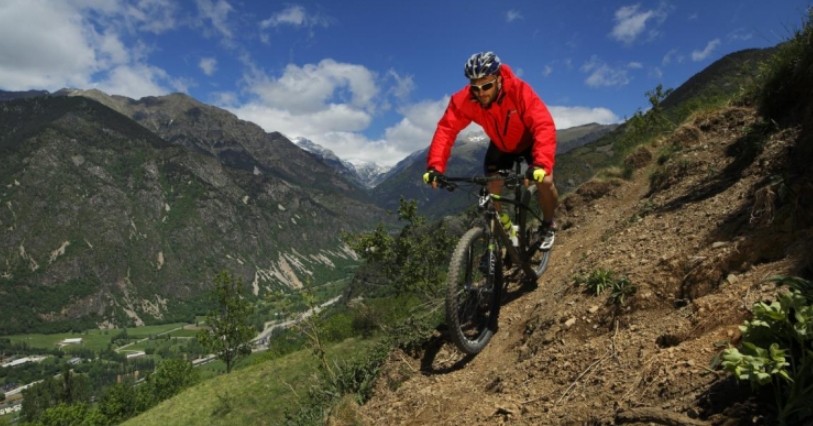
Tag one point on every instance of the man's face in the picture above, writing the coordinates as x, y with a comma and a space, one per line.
486, 89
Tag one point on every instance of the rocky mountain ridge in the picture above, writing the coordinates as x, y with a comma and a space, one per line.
366, 174
120, 212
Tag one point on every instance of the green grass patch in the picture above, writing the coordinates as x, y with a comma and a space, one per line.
95, 339
259, 394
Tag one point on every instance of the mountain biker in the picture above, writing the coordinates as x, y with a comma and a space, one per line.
517, 122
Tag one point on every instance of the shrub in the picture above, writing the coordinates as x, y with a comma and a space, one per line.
777, 350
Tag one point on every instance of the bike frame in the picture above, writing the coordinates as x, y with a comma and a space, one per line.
513, 180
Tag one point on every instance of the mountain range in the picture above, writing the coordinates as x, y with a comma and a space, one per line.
120, 212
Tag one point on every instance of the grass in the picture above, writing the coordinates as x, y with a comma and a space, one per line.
96, 339
259, 394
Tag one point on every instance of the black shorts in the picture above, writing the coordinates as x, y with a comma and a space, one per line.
497, 160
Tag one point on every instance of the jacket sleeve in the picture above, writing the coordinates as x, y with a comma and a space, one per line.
538, 119
449, 126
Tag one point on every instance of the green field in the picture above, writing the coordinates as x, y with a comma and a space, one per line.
98, 339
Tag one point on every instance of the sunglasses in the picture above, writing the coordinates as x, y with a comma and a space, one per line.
487, 86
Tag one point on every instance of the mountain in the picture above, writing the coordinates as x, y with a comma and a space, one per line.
365, 174
651, 278
575, 137
7, 96
466, 160
120, 211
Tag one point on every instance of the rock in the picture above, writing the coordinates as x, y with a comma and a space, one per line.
570, 322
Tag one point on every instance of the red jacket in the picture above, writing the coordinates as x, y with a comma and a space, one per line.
516, 120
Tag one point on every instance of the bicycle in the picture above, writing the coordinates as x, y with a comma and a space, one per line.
475, 280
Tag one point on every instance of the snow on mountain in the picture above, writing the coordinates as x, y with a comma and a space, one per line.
365, 173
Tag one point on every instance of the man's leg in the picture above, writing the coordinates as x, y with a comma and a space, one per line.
495, 187
548, 198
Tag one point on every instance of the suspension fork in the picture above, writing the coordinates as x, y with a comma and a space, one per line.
498, 232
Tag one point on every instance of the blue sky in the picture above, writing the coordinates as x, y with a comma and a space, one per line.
369, 79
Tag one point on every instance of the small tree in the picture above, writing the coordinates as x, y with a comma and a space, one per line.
228, 329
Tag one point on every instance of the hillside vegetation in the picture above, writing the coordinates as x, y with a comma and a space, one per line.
640, 318
694, 218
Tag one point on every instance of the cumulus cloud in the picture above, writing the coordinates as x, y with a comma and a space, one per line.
295, 16
36, 58
332, 104
631, 22
604, 75
216, 14
566, 117
155, 16
139, 80
208, 66
51, 45
699, 55
314, 87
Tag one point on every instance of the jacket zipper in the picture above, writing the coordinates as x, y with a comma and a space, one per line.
507, 119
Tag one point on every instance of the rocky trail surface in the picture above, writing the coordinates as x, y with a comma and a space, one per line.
696, 231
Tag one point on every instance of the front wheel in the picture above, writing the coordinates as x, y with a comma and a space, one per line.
473, 292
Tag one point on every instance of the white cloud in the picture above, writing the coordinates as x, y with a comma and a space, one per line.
296, 16
403, 87
43, 45
137, 81
513, 15
208, 65
566, 117
50, 45
217, 14
603, 75
312, 88
155, 16
699, 55
631, 23
332, 104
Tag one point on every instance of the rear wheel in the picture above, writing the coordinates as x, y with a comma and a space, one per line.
472, 293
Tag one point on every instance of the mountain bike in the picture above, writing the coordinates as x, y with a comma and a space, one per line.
476, 277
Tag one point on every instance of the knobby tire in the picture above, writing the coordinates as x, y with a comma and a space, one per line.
472, 297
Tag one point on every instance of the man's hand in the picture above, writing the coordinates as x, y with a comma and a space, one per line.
538, 174
431, 178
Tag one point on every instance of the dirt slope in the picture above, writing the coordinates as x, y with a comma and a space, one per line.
697, 243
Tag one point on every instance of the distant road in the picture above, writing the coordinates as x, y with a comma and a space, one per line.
262, 338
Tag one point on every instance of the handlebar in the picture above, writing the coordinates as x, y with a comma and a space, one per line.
509, 177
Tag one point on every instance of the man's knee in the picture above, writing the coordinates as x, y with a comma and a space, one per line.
546, 184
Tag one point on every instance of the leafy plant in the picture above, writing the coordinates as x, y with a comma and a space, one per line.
228, 329
601, 280
777, 350
597, 281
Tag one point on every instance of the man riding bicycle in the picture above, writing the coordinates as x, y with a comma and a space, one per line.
517, 122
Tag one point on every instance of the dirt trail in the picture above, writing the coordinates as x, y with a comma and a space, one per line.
697, 243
